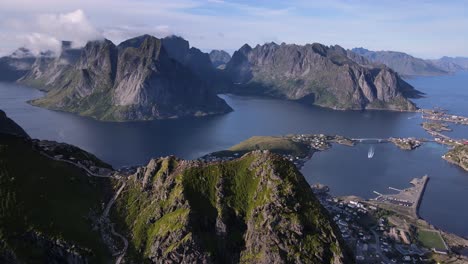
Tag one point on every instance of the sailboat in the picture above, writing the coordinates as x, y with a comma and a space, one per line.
370, 153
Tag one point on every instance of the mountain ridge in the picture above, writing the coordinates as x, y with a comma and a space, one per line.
320, 75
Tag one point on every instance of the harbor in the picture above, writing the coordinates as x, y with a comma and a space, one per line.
405, 201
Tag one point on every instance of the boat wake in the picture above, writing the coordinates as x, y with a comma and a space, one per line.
371, 152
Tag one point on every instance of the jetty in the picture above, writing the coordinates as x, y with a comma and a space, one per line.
406, 201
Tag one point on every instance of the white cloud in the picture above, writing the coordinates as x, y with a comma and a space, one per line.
37, 42
46, 31
73, 26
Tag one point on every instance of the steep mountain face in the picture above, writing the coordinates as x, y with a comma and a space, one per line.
8, 126
219, 58
136, 80
256, 209
320, 75
452, 64
404, 64
198, 61
17, 64
47, 71
49, 209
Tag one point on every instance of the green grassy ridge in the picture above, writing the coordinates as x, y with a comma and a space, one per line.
48, 197
279, 145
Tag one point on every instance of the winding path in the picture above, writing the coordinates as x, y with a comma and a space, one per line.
105, 214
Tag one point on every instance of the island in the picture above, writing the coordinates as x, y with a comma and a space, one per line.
295, 148
458, 155
435, 126
406, 143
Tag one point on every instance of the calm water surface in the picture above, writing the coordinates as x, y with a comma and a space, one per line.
346, 170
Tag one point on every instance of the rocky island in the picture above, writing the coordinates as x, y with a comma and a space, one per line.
255, 208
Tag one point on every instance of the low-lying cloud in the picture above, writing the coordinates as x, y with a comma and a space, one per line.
46, 31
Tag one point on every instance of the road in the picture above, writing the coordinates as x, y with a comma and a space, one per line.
378, 249
105, 214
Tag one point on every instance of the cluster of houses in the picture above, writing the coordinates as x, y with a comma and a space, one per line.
379, 242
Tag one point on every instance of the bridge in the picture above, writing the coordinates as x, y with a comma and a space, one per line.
371, 140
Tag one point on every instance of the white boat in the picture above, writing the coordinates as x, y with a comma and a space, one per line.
370, 154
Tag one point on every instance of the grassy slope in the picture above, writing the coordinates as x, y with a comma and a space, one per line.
277, 145
49, 197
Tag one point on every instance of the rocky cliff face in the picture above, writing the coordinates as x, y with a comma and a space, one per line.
257, 209
404, 64
320, 75
199, 62
136, 80
48, 71
8, 126
219, 58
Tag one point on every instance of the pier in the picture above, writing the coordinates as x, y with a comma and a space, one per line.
406, 201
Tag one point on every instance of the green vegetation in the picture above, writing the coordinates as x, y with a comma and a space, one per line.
279, 145
431, 239
50, 199
436, 126
458, 156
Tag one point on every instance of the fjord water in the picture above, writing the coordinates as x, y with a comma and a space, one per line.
346, 170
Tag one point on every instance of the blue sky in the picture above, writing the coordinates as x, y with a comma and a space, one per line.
428, 29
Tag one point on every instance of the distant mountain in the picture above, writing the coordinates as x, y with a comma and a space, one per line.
17, 64
136, 80
452, 64
320, 75
219, 58
404, 64
255, 209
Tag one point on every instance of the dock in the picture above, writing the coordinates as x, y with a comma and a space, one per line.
407, 200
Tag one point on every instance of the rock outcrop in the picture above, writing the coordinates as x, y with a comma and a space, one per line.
219, 58
404, 64
320, 75
136, 80
8, 126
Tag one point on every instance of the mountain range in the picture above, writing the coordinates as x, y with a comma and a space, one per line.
255, 209
410, 66
147, 78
